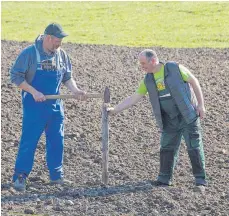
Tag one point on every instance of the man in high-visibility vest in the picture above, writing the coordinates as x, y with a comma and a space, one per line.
178, 105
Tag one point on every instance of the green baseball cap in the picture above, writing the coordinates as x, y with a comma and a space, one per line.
56, 30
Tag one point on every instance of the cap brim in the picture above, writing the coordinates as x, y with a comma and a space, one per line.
61, 35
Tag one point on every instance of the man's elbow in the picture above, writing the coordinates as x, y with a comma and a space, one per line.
193, 81
17, 81
137, 97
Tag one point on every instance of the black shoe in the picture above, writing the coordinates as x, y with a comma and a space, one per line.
162, 184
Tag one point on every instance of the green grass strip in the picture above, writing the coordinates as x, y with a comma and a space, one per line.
166, 24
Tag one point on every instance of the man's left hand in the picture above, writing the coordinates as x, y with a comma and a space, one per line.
80, 95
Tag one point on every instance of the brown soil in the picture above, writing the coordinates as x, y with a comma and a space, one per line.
134, 140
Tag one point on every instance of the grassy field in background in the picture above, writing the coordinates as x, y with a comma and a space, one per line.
166, 24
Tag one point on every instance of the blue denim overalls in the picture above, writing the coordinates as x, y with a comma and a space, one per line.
45, 116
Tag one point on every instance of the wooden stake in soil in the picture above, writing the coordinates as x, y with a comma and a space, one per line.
105, 136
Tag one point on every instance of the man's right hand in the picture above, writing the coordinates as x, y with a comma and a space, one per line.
111, 110
38, 96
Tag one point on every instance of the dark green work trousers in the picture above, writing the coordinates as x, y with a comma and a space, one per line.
174, 127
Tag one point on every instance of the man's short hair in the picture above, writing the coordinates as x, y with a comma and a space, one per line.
149, 54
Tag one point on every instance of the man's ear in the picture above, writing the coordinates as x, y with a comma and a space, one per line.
49, 37
153, 61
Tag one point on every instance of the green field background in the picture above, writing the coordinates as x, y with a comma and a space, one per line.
165, 24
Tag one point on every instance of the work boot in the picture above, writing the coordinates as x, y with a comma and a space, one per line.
166, 167
200, 182
20, 183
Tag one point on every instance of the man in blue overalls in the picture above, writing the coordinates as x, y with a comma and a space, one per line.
39, 70
177, 102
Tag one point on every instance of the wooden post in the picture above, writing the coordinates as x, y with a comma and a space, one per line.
105, 136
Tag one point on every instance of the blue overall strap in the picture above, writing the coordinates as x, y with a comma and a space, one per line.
58, 58
38, 58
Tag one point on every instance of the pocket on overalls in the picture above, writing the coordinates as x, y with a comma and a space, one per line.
169, 107
27, 98
194, 132
23, 96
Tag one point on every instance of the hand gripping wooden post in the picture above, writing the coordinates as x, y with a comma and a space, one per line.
105, 136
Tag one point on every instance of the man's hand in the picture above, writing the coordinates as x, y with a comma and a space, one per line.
111, 110
38, 96
200, 111
80, 95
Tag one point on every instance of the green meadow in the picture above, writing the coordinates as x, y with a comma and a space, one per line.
165, 24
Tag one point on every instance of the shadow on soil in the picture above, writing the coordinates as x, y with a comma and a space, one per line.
100, 191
